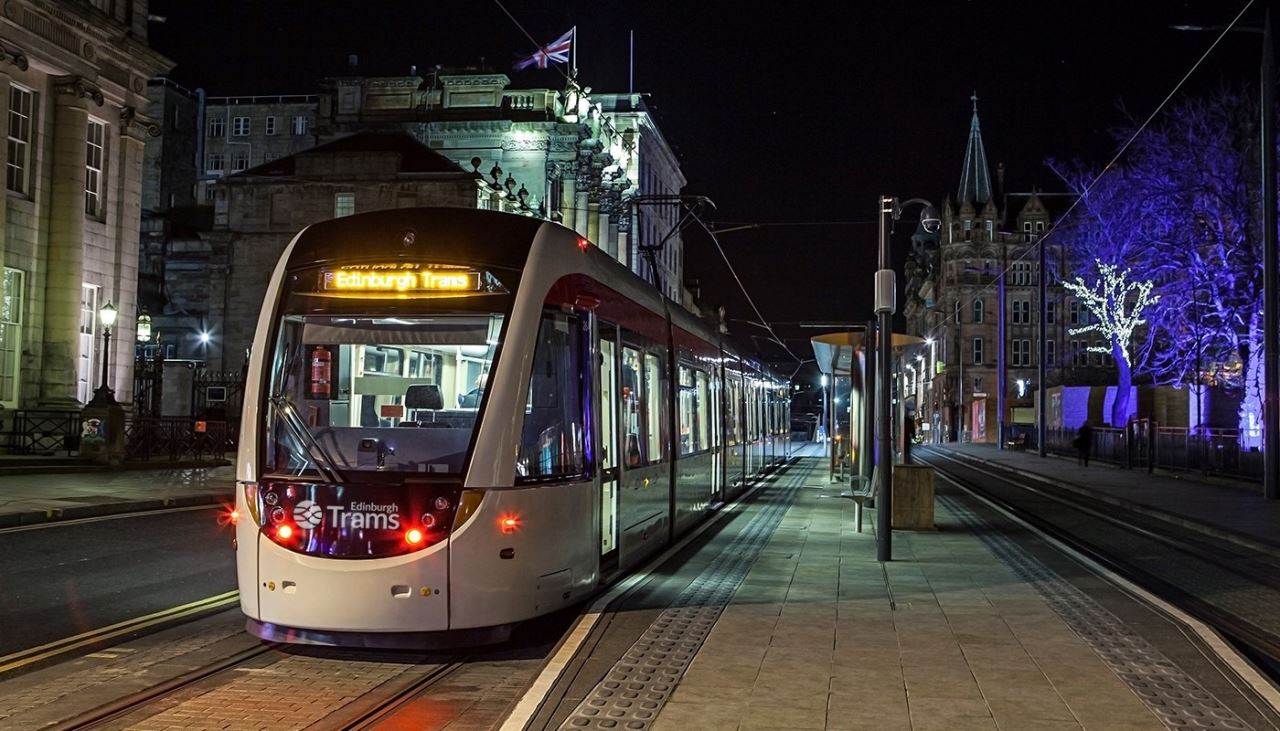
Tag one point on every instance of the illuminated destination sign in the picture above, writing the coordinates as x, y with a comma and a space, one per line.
401, 280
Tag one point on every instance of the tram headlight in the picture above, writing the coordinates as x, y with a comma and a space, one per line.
284, 532
413, 536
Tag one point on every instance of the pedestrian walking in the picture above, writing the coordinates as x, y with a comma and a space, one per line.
1084, 443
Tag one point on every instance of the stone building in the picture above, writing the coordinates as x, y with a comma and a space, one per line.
239, 132
584, 159
259, 210
953, 301
74, 76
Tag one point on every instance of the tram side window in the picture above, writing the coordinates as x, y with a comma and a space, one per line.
632, 408
734, 413
694, 405
653, 400
554, 442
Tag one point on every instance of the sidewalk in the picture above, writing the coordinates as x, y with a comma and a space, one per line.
977, 625
38, 498
1221, 511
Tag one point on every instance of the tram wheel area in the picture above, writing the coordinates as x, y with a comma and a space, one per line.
1138, 588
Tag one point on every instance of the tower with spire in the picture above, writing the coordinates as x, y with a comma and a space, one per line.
952, 299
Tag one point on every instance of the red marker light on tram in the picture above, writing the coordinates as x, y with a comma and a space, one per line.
234, 517
284, 532
413, 536
583, 243
509, 524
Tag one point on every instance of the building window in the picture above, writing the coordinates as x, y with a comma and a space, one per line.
1026, 231
1074, 312
968, 229
1039, 227
1051, 356
1102, 359
1051, 310
217, 127
977, 310
11, 295
977, 351
215, 162
344, 204
991, 231
1079, 353
88, 341
271, 125
1026, 352
20, 105
240, 127
299, 126
239, 161
93, 168
210, 193
1021, 312
1016, 347
959, 312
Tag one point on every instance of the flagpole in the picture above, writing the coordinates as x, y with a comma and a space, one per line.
631, 66
573, 53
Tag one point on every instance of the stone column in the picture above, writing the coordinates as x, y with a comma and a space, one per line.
72, 96
568, 200
127, 176
4, 161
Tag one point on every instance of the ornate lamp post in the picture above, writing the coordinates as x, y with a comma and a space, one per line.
104, 396
886, 304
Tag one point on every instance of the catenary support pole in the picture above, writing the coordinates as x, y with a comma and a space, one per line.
885, 302
1271, 305
869, 402
1001, 362
1042, 407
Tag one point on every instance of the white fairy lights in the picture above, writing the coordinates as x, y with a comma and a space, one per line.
1116, 303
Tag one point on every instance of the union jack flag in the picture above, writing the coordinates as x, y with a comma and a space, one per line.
556, 51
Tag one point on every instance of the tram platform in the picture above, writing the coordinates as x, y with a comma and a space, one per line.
37, 498
1232, 512
780, 617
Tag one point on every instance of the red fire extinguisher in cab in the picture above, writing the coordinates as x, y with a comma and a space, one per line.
321, 362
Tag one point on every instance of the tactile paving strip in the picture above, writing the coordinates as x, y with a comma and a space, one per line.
1178, 700
636, 687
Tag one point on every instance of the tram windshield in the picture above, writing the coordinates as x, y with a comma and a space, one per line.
360, 394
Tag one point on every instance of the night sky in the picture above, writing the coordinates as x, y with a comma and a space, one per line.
780, 112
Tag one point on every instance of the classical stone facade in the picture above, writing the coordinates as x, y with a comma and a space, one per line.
586, 160
73, 84
952, 298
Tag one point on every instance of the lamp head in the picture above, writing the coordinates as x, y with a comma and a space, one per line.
107, 315
930, 220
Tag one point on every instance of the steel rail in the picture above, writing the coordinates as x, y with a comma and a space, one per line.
1254, 641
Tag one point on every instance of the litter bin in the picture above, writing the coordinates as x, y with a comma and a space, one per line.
912, 497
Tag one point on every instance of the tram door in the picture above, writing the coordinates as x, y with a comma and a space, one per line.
717, 439
610, 426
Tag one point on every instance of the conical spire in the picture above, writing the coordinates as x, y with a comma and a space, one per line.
975, 179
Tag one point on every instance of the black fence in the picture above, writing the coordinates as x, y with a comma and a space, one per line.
176, 438
40, 431
1143, 444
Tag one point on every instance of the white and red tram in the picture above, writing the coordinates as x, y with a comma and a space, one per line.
456, 420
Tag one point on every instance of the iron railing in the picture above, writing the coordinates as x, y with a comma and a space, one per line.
40, 431
175, 438
1146, 445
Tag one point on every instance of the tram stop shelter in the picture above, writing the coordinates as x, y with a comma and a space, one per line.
849, 398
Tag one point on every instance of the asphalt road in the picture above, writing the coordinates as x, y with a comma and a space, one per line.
65, 579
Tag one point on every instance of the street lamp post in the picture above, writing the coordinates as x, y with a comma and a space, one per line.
886, 303
104, 396
1043, 370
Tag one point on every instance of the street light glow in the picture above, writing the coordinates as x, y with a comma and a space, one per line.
204, 338
824, 380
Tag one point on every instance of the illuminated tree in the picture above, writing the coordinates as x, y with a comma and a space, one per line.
1117, 303
1182, 208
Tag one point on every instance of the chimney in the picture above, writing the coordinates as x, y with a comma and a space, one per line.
413, 70
999, 180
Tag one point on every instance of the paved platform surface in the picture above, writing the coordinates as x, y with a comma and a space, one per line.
1218, 509
39, 498
972, 626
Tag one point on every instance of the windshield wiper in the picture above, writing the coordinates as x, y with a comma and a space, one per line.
326, 466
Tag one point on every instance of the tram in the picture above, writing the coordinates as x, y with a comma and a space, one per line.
457, 420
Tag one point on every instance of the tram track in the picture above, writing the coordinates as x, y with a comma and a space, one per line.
1198, 574
389, 697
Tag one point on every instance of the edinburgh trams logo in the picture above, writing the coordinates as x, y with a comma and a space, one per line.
307, 514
